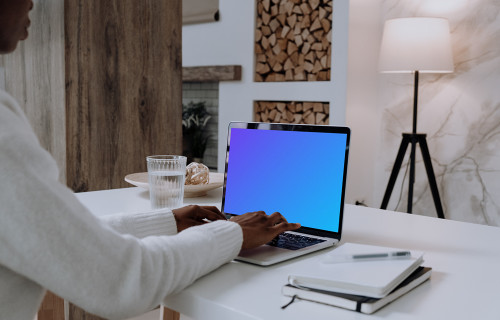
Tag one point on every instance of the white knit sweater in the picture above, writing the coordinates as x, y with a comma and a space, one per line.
116, 269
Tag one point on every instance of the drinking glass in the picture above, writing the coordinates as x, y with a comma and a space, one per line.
166, 175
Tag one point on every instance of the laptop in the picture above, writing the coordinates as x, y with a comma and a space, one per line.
296, 170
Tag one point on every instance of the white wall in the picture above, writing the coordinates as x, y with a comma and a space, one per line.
363, 109
231, 41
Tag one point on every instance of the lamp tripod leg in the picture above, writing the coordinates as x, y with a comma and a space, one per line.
430, 175
395, 171
411, 181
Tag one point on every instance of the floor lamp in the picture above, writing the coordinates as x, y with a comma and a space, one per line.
415, 45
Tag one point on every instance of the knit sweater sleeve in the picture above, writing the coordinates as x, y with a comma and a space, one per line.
49, 237
143, 224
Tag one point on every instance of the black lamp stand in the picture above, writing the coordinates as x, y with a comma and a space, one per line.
414, 138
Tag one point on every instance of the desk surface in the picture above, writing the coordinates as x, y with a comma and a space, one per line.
465, 283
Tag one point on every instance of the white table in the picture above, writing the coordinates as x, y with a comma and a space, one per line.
465, 258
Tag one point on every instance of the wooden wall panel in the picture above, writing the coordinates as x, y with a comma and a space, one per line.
124, 88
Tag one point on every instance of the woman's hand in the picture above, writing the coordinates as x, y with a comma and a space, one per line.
189, 216
260, 228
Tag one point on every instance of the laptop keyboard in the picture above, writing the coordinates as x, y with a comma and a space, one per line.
293, 241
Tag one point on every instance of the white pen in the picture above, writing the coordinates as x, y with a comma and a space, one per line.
367, 256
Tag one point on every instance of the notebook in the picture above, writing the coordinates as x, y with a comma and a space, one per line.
371, 277
355, 302
297, 170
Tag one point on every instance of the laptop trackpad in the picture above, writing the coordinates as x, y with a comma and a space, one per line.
263, 255
262, 252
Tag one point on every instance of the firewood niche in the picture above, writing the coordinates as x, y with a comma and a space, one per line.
292, 112
293, 40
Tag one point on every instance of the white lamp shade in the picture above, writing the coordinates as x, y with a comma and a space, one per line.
416, 44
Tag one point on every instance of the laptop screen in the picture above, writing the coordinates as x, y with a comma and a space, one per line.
297, 170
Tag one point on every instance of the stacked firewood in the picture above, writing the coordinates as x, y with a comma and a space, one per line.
293, 40
292, 112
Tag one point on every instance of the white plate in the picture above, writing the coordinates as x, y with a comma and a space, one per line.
140, 179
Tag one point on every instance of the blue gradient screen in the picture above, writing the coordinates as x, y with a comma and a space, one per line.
299, 174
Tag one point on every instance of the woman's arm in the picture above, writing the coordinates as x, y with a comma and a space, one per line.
143, 224
49, 237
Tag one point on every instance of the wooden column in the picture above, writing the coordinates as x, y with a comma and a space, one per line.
123, 88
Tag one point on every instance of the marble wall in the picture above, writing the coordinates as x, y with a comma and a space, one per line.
460, 112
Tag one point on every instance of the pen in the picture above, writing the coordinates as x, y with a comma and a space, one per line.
368, 256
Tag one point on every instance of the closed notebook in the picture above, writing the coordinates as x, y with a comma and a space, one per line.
371, 278
359, 303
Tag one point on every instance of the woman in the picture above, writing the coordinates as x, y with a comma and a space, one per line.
117, 268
